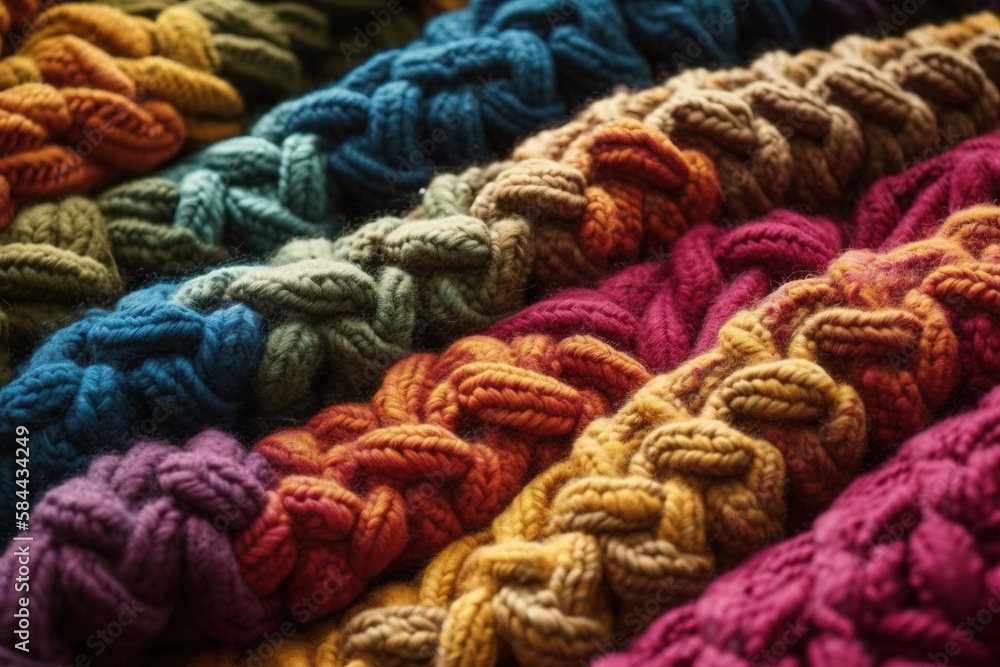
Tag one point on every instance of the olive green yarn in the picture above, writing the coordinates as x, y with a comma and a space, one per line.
341, 311
54, 257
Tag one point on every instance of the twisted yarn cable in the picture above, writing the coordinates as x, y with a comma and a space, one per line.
450, 438
902, 569
153, 546
378, 486
94, 93
703, 466
150, 368
53, 258
476, 81
955, 179
255, 46
615, 192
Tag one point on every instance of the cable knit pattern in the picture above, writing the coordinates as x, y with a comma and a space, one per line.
153, 546
615, 192
53, 258
105, 380
287, 368
444, 445
477, 80
703, 466
902, 569
94, 93
449, 438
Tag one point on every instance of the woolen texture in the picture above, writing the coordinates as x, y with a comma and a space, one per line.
478, 80
317, 338
152, 367
450, 438
903, 568
702, 467
53, 259
94, 93
340, 312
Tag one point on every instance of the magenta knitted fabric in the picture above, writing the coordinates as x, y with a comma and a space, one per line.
903, 569
662, 312
146, 526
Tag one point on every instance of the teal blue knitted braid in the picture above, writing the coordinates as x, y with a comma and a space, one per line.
479, 79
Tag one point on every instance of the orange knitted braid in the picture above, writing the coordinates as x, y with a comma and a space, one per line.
94, 93
445, 443
703, 466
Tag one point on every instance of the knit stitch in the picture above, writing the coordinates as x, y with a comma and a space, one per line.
615, 192
153, 365
289, 364
173, 509
703, 466
53, 258
901, 569
450, 438
477, 80
444, 445
93, 93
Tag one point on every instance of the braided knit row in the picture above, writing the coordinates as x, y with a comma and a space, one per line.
615, 192
287, 365
94, 93
903, 569
702, 467
805, 129
173, 371
450, 438
475, 82
173, 509
53, 258
445, 444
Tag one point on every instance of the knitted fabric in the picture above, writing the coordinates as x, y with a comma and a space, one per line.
450, 438
269, 47
290, 361
616, 191
475, 82
447, 441
94, 93
152, 366
53, 258
902, 569
702, 467
172, 508
790, 129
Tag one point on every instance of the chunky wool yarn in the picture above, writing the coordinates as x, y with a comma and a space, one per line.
616, 191
702, 467
477, 80
172, 509
53, 258
171, 371
902, 569
127, 380
94, 93
444, 445
450, 438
